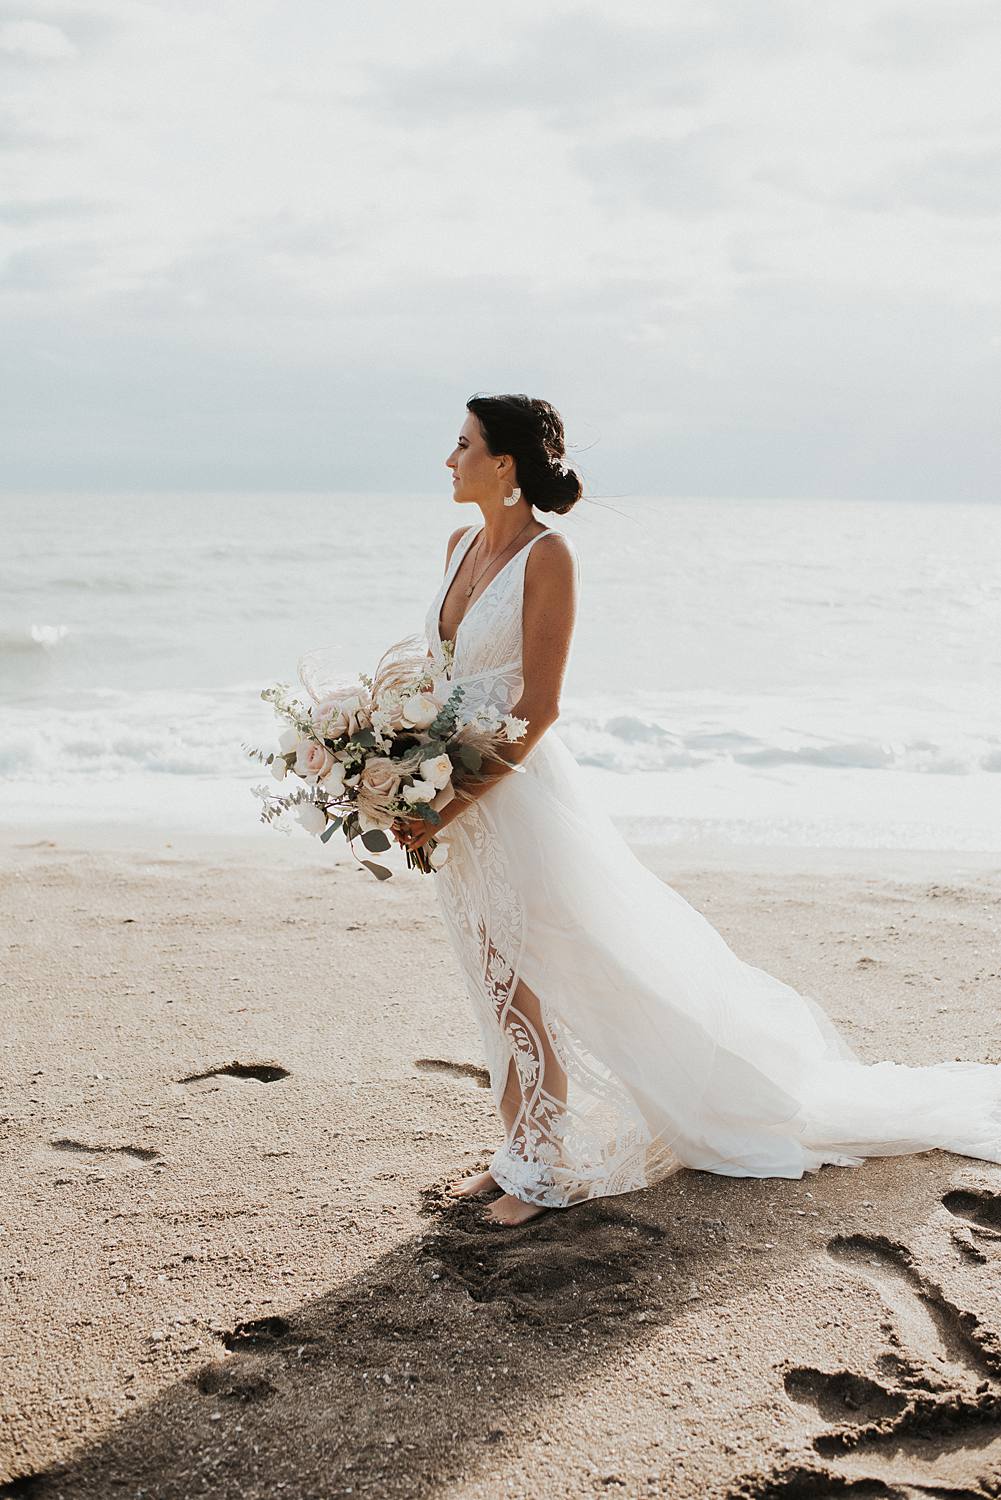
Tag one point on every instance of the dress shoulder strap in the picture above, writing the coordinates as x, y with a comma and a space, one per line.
458, 553
553, 531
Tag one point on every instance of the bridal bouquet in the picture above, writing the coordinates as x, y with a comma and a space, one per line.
398, 746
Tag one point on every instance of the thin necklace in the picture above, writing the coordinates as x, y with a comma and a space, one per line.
494, 559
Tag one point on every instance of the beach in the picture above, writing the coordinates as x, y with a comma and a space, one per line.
722, 278
241, 1073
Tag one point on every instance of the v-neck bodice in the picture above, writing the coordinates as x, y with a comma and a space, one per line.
455, 563
488, 641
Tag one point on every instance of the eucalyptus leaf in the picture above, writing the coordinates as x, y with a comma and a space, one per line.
379, 871
470, 757
375, 840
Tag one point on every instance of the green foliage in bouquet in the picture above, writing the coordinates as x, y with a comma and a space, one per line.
326, 801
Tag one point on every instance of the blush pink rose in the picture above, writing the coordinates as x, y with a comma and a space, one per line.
380, 777
342, 715
312, 759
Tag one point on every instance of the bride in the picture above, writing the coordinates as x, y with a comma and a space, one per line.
624, 1038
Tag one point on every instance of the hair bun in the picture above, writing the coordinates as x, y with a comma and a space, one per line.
566, 487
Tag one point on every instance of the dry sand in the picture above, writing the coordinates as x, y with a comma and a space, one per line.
238, 1077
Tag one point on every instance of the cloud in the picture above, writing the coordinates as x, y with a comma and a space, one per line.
724, 238
15, 135
567, 69
932, 33
87, 25
27, 212
960, 183
692, 174
49, 269
35, 41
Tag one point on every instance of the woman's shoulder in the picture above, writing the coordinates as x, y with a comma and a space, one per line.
561, 544
453, 542
556, 557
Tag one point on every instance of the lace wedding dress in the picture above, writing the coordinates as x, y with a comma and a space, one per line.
649, 1043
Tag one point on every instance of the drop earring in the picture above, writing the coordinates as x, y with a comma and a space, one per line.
514, 497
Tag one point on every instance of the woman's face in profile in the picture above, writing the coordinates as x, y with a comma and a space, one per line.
474, 467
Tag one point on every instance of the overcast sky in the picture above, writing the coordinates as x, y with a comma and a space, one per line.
748, 248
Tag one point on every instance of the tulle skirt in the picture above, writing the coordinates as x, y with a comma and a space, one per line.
630, 1037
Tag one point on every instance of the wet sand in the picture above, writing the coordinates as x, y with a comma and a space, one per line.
238, 1078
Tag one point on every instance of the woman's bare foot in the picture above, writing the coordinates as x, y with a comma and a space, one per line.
469, 1187
511, 1210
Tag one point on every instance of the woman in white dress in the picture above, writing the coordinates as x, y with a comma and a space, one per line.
624, 1038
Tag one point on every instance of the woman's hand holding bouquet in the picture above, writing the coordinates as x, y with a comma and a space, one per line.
396, 753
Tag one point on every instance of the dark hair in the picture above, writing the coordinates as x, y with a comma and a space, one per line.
532, 432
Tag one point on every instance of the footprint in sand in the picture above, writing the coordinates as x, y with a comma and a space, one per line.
982, 1210
245, 1381
932, 1426
550, 1271
258, 1333
977, 1234
247, 1377
479, 1076
267, 1072
928, 1325
94, 1155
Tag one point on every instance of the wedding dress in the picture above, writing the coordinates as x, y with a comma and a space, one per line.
651, 1045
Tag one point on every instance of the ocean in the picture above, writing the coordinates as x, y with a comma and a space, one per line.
802, 673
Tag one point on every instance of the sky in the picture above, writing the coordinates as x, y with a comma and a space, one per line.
747, 247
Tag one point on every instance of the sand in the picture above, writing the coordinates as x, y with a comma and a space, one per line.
238, 1077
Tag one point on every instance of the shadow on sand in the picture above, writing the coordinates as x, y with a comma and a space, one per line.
448, 1355
421, 1370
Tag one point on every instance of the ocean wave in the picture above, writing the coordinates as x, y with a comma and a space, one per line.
628, 743
114, 583
18, 640
110, 734
116, 734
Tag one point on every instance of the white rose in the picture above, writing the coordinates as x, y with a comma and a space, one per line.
334, 779
421, 791
421, 710
278, 768
437, 770
288, 739
390, 711
312, 818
